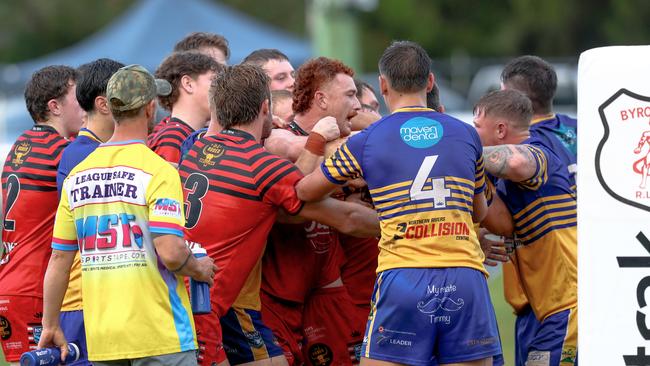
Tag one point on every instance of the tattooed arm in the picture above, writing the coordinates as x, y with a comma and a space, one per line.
512, 162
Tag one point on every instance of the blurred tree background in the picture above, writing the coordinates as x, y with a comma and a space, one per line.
498, 28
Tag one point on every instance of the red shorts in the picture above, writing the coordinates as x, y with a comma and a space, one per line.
284, 318
210, 339
333, 334
20, 325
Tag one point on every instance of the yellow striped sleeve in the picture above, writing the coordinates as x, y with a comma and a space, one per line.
479, 180
341, 166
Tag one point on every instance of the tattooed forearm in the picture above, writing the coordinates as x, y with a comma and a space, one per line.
527, 155
496, 159
513, 162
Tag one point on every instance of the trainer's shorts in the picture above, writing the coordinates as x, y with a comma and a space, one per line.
210, 339
329, 325
72, 323
246, 338
556, 341
284, 318
20, 325
431, 316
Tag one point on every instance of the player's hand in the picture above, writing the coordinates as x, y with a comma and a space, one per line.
206, 270
493, 247
53, 337
364, 119
328, 128
279, 122
637, 150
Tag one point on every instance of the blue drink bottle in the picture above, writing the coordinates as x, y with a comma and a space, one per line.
49, 356
199, 291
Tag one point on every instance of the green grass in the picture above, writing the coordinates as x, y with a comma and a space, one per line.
505, 317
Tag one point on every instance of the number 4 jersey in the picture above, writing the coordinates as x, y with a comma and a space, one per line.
30, 198
423, 169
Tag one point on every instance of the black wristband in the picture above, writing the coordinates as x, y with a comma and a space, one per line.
184, 263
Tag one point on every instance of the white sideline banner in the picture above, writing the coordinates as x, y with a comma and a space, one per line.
614, 206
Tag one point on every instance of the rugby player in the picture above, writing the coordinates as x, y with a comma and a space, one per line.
536, 187
210, 44
431, 302
232, 183
30, 199
276, 65
190, 74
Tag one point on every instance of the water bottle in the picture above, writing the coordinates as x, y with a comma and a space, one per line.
49, 356
199, 291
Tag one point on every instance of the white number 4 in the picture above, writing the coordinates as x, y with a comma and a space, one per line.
435, 191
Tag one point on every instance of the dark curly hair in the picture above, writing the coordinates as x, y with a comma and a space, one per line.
50, 82
179, 64
311, 76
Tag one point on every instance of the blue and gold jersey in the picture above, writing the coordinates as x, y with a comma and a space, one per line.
544, 212
560, 133
423, 169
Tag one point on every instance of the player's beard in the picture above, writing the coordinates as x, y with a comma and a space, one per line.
267, 127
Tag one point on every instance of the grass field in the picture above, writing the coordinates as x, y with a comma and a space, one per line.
504, 316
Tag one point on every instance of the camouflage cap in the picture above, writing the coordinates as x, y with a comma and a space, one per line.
133, 86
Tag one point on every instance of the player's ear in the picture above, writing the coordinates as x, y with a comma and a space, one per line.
321, 99
101, 105
54, 107
266, 107
383, 85
187, 84
502, 130
430, 81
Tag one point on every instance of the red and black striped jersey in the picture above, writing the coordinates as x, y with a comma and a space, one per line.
359, 268
29, 198
157, 127
232, 189
300, 258
167, 142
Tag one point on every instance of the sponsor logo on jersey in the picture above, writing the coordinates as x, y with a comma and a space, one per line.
5, 328
568, 355
623, 153
20, 154
420, 132
107, 231
34, 333
320, 354
254, 339
209, 153
167, 207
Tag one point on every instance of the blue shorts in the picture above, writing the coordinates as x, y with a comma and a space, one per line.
526, 326
246, 338
556, 341
431, 316
72, 323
